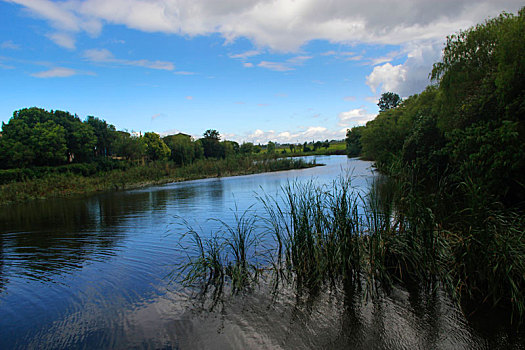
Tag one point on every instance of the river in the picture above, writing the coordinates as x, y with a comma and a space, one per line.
91, 273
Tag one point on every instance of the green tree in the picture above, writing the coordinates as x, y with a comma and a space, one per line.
182, 148
198, 149
305, 147
80, 137
211, 144
388, 100
129, 147
271, 147
27, 139
231, 148
353, 141
48, 143
106, 136
156, 149
246, 148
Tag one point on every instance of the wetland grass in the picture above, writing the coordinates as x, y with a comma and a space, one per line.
315, 237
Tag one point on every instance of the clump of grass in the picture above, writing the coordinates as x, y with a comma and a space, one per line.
327, 235
64, 184
316, 230
229, 257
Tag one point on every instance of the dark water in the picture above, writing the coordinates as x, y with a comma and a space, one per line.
90, 273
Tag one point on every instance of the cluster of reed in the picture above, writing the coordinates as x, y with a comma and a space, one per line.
316, 236
64, 184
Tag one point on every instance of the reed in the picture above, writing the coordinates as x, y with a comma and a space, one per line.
68, 183
319, 236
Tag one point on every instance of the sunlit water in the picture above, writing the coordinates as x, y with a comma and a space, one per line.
91, 273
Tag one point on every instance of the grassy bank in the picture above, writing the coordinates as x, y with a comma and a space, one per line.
316, 237
64, 182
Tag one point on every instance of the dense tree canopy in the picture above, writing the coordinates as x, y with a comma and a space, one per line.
156, 149
211, 144
183, 149
388, 100
470, 125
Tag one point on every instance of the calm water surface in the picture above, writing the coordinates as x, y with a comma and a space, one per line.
90, 273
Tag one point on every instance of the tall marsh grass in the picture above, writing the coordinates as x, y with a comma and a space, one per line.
66, 183
319, 236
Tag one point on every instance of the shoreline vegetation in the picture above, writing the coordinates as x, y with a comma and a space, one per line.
55, 154
86, 179
448, 214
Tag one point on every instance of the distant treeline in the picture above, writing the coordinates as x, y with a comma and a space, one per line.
36, 137
470, 125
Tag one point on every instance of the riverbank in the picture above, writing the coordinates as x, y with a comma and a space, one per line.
71, 184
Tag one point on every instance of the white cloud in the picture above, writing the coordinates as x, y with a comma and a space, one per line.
62, 39
9, 44
184, 73
99, 55
105, 56
388, 77
285, 66
283, 25
6, 66
353, 117
409, 77
372, 99
245, 55
307, 134
247, 64
189, 98
57, 72
170, 132
276, 66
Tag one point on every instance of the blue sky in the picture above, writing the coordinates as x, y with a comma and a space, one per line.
281, 70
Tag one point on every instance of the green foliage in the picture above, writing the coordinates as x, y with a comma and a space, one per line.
49, 143
106, 136
271, 147
107, 174
34, 136
182, 148
156, 149
211, 144
353, 141
422, 148
469, 126
246, 148
388, 101
231, 148
457, 152
481, 74
384, 136
131, 148
492, 155
306, 148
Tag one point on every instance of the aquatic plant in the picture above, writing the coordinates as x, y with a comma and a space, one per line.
319, 236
